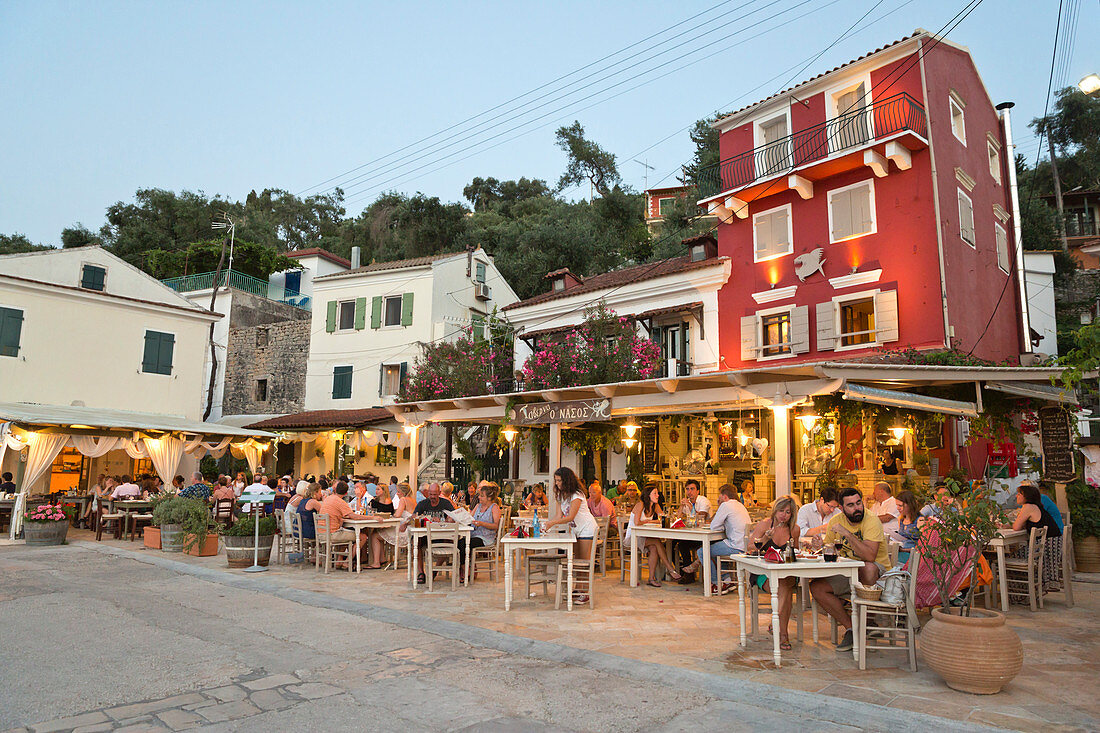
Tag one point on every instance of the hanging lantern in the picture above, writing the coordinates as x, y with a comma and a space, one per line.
809, 417
629, 442
899, 430
509, 433
630, 428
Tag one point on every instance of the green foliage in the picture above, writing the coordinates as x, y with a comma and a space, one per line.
489, 194
587, 161
590, 438
246, 527
256, 260
191, 514
78, 236
706, 154
13, 244
1083, 358
476, 363
1074, 127
1084, 508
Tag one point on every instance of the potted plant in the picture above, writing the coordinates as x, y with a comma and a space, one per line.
183, 523
239, 537
971, 649
1084, 513
46, 524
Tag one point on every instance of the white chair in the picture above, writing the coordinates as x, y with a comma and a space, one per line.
542, 567
442, 545
332, 550
301, 544
621, 521
600, 547
1067, 563
584, 572
755, 594
901, 619
489, 557
1024, 577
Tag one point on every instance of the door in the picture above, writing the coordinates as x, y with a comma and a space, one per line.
851, 126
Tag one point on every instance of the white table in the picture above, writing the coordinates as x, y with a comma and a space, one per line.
552, 541
1006, 538
358, 524
705, 534
808, 569
417, 533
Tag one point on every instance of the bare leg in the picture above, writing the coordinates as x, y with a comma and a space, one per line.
651, 558
664, 559
375, 550
868, 574
823, 594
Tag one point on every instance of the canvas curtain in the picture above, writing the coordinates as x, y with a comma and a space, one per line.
165, 453
197, 447
251, 452
93, 447
44, 448
134, 448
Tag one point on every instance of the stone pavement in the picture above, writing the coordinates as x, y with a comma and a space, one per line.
640, 644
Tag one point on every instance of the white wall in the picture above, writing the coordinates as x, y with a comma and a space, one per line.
1039, 279
312, 266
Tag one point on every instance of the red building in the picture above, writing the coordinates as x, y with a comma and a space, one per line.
868, 207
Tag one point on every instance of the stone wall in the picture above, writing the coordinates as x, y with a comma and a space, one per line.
253, 310
275, 352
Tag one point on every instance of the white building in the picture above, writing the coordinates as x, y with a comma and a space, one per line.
84, 327
315, 262
1039, 279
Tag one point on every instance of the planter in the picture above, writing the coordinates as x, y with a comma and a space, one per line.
45, 533
171, 538
977, 654
208, 548
1086, 552
151, 538
239, 550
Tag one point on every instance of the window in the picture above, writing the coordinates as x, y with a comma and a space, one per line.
775, 146
772, 234
11, 327
852, 211
341, 383
479, 272
559, 283
664, 206
392, 311
542, 460
1002, 247
775, 332
262, 337
477, 326
958, 119
994, 160
966, 219
158, 352
853, 123
392, 380
857, 322
346, 316
261, 390
293, 282
92, 277
698, 252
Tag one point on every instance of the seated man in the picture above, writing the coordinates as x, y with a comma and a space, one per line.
858, 535
696, 506
335, 505
943, 496
127, 489
886, 509
436, 507
198, 489
813, 518
598, 504
733, 519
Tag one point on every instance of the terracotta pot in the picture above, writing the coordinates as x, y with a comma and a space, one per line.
151, 537
1086, 551
977, 653
45, 533
208, 548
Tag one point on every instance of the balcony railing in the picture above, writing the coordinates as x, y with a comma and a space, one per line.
1080, 226
239, 281
850, 131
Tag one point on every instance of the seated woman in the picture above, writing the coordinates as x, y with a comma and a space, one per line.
748, 495
380, 507
486, 515
649, 511
776, 531
307, 508
536, 498
1033, 514
907, 534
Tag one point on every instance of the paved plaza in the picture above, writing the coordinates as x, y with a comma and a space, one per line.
110, 636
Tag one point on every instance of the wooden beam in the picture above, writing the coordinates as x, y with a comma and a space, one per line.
667, 386
551, 395
900, 154
500, 400
607, 390
738, 379
739, 208
804, 186
876, 162
716, 208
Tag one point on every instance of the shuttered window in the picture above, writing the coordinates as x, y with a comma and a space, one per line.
851, 211
966, 219
775, 334
1002, 247
477, 323
347, 315
92, 277
857, 322
158, 352
393, 310
958, 120
479, 272
772, 234
11, 328
341, 383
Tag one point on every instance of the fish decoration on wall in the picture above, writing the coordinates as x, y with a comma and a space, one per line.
809, 263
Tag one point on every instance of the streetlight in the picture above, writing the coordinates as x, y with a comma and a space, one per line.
1090, 84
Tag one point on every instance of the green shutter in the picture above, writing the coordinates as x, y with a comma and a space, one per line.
478, 327
381, 379
92, 277
11, 326
152, 352
401, 378
407, 309
480, 272
330, 321
360, 314
167, 346
376, 312
341, 383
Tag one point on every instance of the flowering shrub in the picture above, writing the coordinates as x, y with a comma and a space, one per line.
604, 348
472, 365
45, 513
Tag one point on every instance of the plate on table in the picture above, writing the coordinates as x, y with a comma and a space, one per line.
809, 558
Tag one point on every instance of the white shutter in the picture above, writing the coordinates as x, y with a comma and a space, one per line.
841, 208
886, 316
966, 219
861, 209
780, 241
748, 338
826, 326
800, 329
763, 237
1002, 247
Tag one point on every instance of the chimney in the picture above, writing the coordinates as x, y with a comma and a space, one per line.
354, 257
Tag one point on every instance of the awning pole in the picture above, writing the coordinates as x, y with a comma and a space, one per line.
414, 456
781, 420
555, 464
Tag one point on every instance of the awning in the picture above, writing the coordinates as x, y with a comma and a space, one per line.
1035, 391
91, 419
313, 420
891, 398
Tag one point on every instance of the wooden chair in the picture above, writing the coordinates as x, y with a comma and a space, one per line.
223, 511
542, 567
284, 540
726, 564
1025, 576
902, 620
106, 515
1066, 565
442, 543
584, 573
304, 545
599, 547
621, 521
614, 542
133, 519
489, 557
338, 550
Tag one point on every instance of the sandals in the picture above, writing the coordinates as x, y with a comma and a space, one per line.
785, 645
654, 583
421, 579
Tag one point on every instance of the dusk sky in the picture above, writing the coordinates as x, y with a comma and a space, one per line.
101, 99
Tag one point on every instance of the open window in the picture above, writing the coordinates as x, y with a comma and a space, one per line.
775, 333
966, 219
346, 317
392, 379
1002, 247
958, 118
994, 160
858, 320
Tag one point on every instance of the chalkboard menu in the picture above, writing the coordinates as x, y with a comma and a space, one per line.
930, 435
1056, 436
648, 442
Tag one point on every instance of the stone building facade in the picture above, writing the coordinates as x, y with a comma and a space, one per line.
266, 369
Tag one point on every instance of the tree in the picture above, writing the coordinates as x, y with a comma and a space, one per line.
587, 161
249, 258
78, 236
706, 154
488, 193
13, 244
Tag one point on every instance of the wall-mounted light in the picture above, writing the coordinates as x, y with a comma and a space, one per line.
509, 433
1090, 84
630, 428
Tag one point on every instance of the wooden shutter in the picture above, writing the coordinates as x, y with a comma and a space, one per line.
330, 319
381, 379
966, 219
92, 277
376, 312
164, 360
407, 309
11, 326
861, 209
826, 326
748, 338
401, 377
360, 314
477, 327
886, 316
152, 352
685, 345
341, 382
800, 329
840, 206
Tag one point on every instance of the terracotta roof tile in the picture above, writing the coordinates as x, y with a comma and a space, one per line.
395, 264
325, 419
323, 253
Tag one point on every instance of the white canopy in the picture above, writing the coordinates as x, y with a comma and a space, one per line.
32, 416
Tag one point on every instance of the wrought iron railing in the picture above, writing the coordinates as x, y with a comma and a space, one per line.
239, 281
1078, 225
859, 128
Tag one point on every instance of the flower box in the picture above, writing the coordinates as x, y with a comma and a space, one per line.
209, 548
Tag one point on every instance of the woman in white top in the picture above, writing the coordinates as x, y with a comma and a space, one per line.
649, 511
574, 510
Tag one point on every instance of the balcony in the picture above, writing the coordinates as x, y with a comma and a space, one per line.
896, 117
239, 281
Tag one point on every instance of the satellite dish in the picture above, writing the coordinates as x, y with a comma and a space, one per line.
810, 263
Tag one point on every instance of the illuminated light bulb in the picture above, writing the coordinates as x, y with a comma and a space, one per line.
629, 442
630, 428
509, 433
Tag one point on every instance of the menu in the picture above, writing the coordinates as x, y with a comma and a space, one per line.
648, 442
1056, 438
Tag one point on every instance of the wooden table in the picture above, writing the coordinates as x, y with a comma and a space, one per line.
551, 541
358, 524
417, 533
704, 534
1006, 538
129, 507
808, 569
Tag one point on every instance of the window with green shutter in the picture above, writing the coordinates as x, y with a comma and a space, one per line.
341, 383
92, 277
158, 352
477, 323
407, 309
479, 274
11, 327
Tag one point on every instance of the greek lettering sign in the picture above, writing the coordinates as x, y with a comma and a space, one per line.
1056, 438
544, 413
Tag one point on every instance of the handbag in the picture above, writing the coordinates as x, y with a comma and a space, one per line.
894, 584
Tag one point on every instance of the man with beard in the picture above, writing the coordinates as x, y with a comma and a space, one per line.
858, 535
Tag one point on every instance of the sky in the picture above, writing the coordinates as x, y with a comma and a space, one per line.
101, 99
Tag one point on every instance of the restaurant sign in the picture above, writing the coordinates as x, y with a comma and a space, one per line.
1056, 440
544, 413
